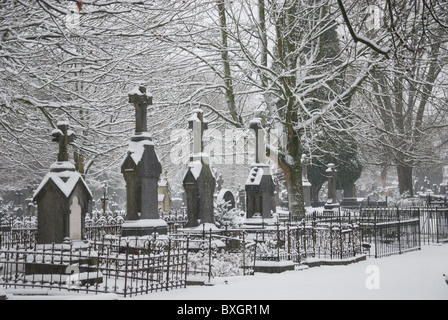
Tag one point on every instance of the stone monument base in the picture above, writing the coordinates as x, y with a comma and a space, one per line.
273, 266
257, 222
144, 227
331, 206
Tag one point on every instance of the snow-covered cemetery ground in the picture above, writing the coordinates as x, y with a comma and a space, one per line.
412, 276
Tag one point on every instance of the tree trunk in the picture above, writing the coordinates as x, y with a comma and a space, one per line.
293, 174
293, 177
229, 92
405, 179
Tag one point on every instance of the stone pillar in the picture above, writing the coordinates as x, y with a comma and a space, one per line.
305, 183
332, 202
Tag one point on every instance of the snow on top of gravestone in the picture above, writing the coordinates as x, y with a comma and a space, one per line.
56, 131
255, 122
137, 148
65, 180
195, 168
198, 110
142, 223
193, 117
255, 175
62, 166
136, 90
63, 123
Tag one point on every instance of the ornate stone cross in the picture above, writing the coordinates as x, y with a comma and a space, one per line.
260, 148
141, 102
198, 125
63, 136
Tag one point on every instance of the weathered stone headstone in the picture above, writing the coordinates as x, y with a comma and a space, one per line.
259, 185
62, 197
226, 196
332, 202
141, 169
199, 182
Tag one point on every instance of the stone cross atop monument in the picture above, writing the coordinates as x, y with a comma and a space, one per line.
259, 185
260, 147
197, 123
199, 181
63, 136
141, 170
63, 196
141, 101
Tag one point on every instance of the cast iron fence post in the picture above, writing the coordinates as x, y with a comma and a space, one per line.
186, 260
210, 256
168, 265
375, 233
398, 231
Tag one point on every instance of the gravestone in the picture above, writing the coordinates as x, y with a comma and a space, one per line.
220, 182
331, 174
226, 196
62, 197
242, 199
164, 195
259, 185
141, 169
199, 181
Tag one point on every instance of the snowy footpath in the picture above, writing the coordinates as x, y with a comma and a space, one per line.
416, 275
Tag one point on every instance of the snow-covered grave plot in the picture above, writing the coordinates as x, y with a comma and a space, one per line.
123, 266
414, 276
127, 266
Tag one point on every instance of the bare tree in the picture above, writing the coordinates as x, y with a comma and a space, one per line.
404, 98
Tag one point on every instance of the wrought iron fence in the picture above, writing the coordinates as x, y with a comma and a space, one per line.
109, 266
434, 224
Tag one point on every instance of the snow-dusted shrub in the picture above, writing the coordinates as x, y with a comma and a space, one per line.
223, 264
224, 214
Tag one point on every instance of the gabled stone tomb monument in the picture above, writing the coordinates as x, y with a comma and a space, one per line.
199, 182
141, 169
62, 197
